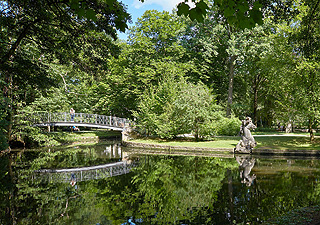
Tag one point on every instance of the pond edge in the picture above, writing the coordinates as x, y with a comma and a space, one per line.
257, 151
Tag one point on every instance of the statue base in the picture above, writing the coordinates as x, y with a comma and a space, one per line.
242, 150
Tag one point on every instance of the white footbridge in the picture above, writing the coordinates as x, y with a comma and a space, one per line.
79, 120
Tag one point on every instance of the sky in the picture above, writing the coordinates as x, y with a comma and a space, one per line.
137, 8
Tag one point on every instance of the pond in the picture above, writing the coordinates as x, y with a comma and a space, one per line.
107, 184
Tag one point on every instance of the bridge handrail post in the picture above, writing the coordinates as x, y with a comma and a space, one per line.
96, 118
65, 117
80, 117
76, 115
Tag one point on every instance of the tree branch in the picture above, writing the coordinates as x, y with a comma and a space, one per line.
15, 45
65, 86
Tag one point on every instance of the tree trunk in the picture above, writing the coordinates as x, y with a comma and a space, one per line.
311, 130
8, 98
255, 103
230, 90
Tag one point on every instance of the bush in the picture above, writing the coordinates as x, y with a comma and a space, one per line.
228, 126
178, 107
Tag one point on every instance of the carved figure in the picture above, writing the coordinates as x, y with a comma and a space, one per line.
247, 142
246, 164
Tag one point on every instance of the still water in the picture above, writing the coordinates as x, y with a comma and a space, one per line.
69, 188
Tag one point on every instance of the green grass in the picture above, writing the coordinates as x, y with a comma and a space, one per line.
221, 142
277, 133
287, 143
264, 142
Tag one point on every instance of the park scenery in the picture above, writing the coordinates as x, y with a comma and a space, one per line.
207, 113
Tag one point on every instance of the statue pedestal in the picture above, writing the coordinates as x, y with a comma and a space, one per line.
242, 150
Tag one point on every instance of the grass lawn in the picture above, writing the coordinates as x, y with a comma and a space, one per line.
220, 142
281, 142
287, 142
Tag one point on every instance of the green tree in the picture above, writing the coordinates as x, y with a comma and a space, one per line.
152, 52
215, 48
244, 14
307, 47
292, 69
178, 107
276, 72
34, 33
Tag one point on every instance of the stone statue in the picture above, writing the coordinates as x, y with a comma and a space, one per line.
246, 164
247, 142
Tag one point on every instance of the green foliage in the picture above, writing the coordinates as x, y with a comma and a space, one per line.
197, 13
37, 36
228, 126
178, 107
55, 100
241, 14
28, 135
62, 54
152, 52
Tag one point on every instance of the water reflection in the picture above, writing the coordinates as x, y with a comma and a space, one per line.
161, 189
113, 151
120, 164
246, 163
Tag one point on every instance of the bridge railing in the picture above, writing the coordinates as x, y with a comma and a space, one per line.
83, 174
45, 117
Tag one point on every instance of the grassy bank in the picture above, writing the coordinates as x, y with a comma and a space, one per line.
277, 142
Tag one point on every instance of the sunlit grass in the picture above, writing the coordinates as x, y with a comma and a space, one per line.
225, 142
275, 142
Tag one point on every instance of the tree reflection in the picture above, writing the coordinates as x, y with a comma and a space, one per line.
163, 190
168, 189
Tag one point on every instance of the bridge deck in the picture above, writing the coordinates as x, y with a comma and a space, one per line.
79, 120
70, 124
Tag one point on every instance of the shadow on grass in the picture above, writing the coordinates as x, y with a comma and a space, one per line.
287, 142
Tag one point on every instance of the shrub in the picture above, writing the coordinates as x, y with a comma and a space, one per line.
228, 126
178, 107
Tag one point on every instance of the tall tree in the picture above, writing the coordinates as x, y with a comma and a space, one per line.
152, 52
216, 46
35, 32
307, 46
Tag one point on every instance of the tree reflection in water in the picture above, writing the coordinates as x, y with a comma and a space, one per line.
160, 190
